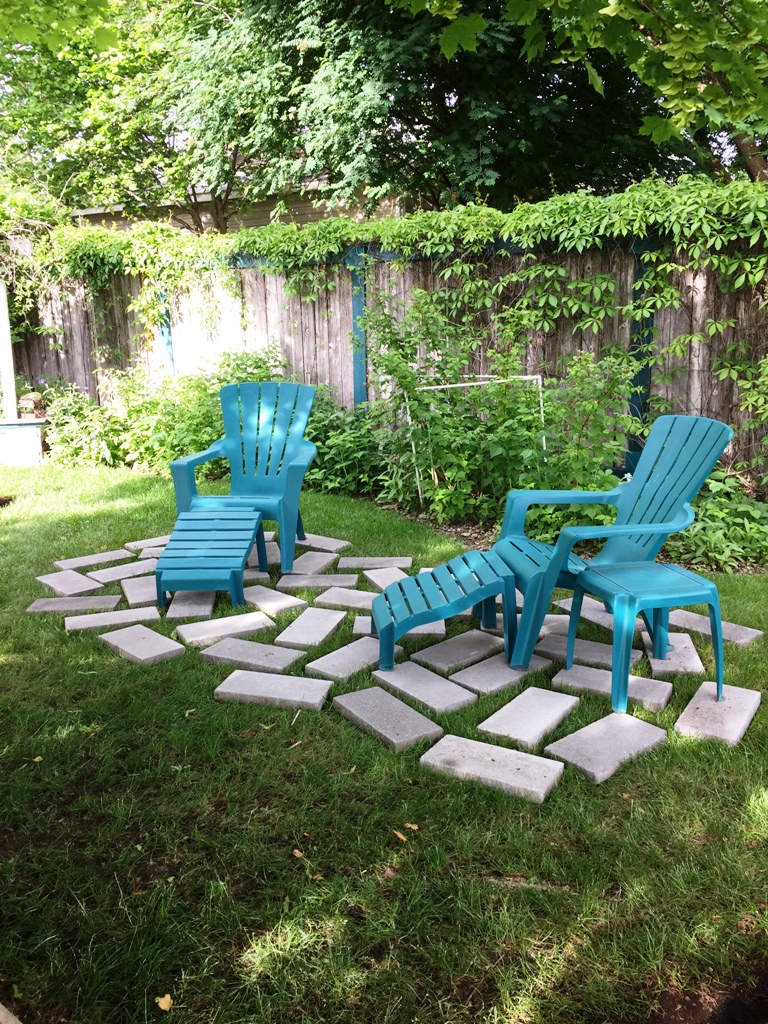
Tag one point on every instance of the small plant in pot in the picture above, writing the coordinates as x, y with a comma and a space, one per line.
32, 406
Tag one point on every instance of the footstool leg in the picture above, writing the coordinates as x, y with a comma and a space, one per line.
488, 612
624, 613
510, 618
162, 598
236, 589
387, 647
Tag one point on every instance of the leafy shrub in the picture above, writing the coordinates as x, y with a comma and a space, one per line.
348, 460
80, 431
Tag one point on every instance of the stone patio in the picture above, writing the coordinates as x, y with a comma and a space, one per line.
442, 678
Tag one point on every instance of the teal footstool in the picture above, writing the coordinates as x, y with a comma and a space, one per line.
643, 587
208, 551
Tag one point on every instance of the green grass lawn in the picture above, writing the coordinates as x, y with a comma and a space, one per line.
150, 836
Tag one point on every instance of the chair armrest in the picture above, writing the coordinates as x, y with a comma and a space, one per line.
183, 473
306, 453
518, 503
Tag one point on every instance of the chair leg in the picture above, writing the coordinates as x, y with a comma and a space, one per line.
300, 527
624, 613
716, 625
286, 521
535, 606
261, 549
573, 622
661, 647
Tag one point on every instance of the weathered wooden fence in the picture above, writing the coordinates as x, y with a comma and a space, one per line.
87, 333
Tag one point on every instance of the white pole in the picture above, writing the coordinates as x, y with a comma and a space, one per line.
7, 373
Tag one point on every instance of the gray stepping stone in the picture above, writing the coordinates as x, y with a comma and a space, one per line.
458, 652
381, 578
312, 627
255, 576
69, 583
600, 749
151, 552
594, 611
555, 625
375, 562
363, 626
429, 689
140, 591
100, 558
250, 655
273, 554
315, 582
123, 572
268, 688
270, 602
268, 536
743, 636
151, 542
338, 597
529, 717
106, 603
191, 604
682, 658
313, 540
142, 645
586, 652
104, 620
340, 665
706, 718
312, 562
390, 720
202, 634
494, 674
652, 694
524, 775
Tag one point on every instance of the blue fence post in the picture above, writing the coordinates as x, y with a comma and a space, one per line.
164, 330
354, 260
641, 334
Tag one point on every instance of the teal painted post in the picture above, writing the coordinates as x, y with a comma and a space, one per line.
164, 330
641, 335
354, 260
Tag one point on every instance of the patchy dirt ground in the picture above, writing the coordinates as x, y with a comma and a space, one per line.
745, 1002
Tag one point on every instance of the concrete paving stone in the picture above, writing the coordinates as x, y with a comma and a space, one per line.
514, 772
390, 720
312, 627
555, 625
313, 540
268, 688
250, 655
151, 552
123, 572
255, 576
374, 562
600, 749
706, 718
191, 604
142, 645
69, 583
203, 634
682, 658
459, 652
103, 620
317, 582
381, 578
429, 689
742, 636
100, 558
529, 716
494, 674
270, 602
652, 694
140, 591
594, 611
312, 562
105, 603
339, 597
269, 535
151, 542
273, 555
586, 652
343, 663
363, 626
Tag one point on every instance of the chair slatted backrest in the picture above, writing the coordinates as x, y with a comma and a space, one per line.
679, 455
264, 426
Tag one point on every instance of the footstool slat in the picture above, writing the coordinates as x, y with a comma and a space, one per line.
447, 584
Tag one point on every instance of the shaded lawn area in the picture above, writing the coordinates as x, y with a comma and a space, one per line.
150, 836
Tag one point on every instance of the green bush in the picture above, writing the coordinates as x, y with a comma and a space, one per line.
348, 459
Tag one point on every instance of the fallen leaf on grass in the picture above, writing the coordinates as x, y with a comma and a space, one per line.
317, 877
410, 825
164, 1002
400, 835
297, 853
37, 759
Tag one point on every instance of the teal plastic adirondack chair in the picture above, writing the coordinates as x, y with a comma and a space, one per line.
678, 457
268, 456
